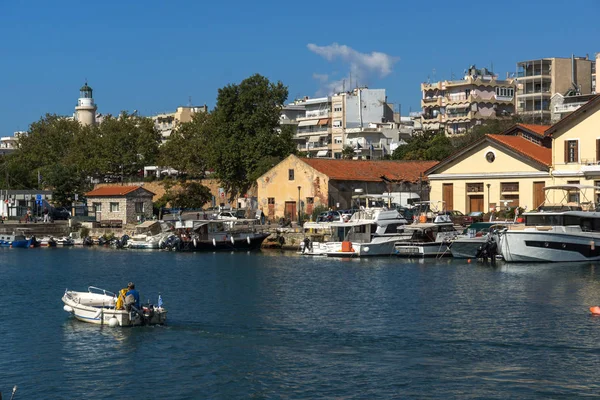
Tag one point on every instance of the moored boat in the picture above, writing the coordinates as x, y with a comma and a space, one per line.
555, 232
99, 306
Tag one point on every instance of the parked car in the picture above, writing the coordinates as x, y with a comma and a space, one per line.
472, 217
329, 216
60, 213
458, 218
227, 215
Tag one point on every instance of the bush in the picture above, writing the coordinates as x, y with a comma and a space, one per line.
85, 231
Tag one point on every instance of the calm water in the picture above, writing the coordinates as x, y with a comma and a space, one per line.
269, 325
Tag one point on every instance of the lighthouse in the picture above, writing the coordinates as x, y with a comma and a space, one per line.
85, 111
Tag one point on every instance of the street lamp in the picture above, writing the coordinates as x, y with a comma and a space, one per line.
299, 204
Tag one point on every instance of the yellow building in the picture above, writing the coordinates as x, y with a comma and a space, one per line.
301, 184
505, 170
512, 168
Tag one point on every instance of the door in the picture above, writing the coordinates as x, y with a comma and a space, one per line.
538, 194
448, 196
290, 210
476, 203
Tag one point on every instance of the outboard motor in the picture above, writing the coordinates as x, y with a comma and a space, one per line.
489, 249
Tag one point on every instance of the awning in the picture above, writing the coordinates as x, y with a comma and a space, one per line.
322, 153
308, 123
323, 122
313, 139
455, 106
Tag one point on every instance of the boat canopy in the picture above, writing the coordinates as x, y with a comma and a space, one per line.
571, 186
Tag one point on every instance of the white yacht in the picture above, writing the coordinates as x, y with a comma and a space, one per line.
370, 231
556, 232
428, 239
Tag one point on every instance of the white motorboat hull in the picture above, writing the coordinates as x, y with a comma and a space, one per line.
143, 245
422, 249
100, 309
377, 247
533, 245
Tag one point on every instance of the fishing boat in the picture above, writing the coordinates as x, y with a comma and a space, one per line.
98, 306
215, 235
557, 232
17, 239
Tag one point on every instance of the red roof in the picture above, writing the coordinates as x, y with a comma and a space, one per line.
113, 191
539, 129
368, 170
525, 147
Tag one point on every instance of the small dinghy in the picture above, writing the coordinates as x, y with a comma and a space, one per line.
595, 310
99, 306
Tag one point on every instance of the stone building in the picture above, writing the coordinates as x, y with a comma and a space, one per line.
298, 185
128, 204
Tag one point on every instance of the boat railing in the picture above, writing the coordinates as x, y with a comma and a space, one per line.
94, 289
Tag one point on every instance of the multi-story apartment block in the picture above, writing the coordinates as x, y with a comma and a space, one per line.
538, 80
167, 122
456, 106
314, 126
360, 118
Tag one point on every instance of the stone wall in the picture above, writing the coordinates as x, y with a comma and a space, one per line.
158, 189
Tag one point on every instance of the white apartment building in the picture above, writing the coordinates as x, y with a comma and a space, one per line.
360, 118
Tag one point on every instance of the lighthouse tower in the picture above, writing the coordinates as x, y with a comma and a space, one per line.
85, 111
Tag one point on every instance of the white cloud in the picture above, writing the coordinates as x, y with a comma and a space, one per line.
363, 66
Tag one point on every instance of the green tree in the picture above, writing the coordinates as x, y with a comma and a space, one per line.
66, 181
348, 152
186, 148
245, 132
127, 144
429, 145
191, 195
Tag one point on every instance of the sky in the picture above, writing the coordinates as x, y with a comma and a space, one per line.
153, 56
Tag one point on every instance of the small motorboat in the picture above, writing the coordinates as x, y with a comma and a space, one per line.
48, 241
595, 310
98, 306
65, 241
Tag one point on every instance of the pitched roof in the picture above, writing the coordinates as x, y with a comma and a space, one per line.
370, 170
537, 129
541, 154
574, 115
114, 191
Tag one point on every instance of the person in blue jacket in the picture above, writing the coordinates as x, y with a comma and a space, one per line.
134, 293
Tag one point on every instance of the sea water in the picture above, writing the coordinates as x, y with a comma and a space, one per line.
272, 325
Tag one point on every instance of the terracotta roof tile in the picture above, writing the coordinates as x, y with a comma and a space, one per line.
525, 147
369, 170
113, 191
538, 129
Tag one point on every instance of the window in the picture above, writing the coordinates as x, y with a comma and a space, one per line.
475, 187
291, 174
139, 207
337, 123
337, 107
509, 187
505, 91
337, 156
337, 139
571, 151
271, 200
97, 206
114, 207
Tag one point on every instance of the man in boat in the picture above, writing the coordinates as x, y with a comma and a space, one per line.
134, 293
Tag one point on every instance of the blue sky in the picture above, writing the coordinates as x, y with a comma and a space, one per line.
151, 56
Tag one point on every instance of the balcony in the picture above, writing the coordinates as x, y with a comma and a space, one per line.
313, 114
306, 133
567, 108
534, 74
431, 118
590, 166
431, 102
